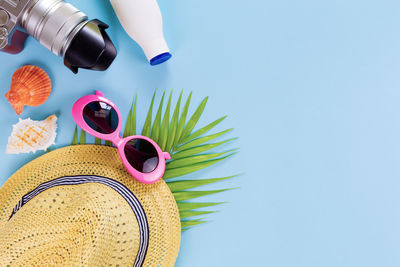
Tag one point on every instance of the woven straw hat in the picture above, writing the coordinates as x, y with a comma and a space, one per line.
78, 206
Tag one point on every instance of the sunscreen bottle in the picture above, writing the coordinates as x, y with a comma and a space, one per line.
142, 20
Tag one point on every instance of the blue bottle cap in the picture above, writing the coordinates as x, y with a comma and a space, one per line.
160, 58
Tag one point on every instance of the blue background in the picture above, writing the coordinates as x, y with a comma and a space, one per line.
312, 90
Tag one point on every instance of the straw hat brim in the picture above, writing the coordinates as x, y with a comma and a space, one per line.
49, 227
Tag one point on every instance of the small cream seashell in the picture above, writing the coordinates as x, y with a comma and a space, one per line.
29, 135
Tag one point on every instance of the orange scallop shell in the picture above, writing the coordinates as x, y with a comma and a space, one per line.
30, 86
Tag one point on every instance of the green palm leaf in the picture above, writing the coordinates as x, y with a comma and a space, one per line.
184, 206
186, 195
147, 123
108, 143
155, 131
199, 141
75, 138
187, 223
162, 141
82, 139
190, 150
187, 214
198, 149
130, 128
182, 121
174, 125
190, 161
183, 185
194, 119
203, 130
172, 173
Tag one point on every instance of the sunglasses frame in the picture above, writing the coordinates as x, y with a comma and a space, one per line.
118, 141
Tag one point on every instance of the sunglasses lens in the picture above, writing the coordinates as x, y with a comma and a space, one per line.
142, 155
101, 117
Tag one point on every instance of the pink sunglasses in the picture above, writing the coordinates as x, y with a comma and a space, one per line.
141, 156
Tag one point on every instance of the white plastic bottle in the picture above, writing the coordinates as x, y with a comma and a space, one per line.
142, 21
